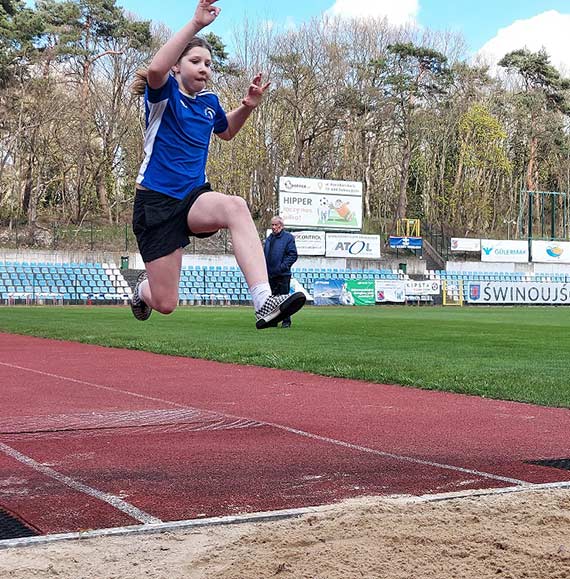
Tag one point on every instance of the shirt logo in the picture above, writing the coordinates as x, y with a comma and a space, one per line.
210, 113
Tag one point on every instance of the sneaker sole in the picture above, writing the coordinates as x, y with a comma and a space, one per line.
142, 317
289, 307
139, 313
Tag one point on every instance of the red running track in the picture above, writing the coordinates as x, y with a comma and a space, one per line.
94, 437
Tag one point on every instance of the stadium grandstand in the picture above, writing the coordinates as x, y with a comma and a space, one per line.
58, 283
43, 283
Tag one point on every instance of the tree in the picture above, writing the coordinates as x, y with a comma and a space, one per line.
415, 78
482, 161
79, 33
19, 28
543, 92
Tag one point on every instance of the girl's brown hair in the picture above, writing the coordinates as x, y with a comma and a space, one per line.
139, 84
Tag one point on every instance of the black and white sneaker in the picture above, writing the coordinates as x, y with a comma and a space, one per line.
140, 310
276, 308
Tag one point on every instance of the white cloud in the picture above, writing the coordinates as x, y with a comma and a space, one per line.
548, 30
399, 12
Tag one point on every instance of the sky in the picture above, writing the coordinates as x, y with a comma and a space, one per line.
493, 27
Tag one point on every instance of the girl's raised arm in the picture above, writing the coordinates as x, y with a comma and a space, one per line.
170, 52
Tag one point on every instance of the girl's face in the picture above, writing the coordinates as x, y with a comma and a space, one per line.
193, 70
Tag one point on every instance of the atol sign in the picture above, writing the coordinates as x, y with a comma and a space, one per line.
320, 203
550, 251
352, 246
504, 250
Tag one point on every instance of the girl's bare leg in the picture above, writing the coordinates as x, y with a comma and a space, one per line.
160, 290
213, 211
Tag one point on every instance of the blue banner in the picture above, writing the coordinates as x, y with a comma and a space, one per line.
406, 242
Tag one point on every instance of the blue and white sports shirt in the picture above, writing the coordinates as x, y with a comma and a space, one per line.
178, 131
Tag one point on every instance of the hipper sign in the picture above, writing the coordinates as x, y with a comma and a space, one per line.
320, 203
352, 246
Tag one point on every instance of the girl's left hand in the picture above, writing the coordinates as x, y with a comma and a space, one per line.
255, 92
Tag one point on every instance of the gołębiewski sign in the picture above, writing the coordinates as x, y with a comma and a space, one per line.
550, 251
504, 250
518, 293
346, 245
320, 203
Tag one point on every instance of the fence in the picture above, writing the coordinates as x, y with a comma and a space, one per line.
94, 236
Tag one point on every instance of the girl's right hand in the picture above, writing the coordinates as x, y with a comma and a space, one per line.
206, 12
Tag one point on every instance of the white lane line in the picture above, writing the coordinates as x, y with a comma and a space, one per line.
268, 516
401, 457
112, 500
291, 430
100, 386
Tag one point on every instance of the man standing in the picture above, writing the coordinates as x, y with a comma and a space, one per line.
280, 254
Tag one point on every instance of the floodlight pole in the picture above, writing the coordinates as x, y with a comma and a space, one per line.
530, 206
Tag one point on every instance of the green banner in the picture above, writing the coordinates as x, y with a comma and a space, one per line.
362, 291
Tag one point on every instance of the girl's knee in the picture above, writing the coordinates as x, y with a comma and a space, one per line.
165, 305
237, 204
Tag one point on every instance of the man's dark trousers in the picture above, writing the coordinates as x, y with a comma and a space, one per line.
281, 286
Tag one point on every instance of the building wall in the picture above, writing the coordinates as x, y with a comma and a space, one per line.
413, 265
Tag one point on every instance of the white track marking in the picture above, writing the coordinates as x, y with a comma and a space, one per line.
291, 430
268, 516
100, 386
352, 446
112, 500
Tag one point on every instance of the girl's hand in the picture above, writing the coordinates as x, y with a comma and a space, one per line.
255, 92
206, 12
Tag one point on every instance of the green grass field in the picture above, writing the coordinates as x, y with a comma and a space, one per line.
508, 353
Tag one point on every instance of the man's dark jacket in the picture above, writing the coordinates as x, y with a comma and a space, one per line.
280, 254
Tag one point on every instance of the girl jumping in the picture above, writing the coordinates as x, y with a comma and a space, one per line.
173, 199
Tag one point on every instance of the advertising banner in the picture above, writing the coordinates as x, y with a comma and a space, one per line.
351, 245
397, 291
331, 292
362, 291
320, 203
504, 250
405, 242
390, 290
310, 242
465, 244
492, 292
550, 251
423, 288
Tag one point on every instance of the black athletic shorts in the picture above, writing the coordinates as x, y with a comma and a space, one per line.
160, 222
